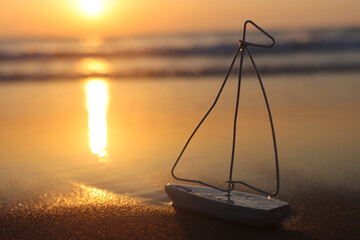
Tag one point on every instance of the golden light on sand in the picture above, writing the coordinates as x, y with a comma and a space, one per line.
97, 98
91, 7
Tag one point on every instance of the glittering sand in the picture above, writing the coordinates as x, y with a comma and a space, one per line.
80, 212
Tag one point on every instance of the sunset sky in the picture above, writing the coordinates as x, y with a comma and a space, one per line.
77, 18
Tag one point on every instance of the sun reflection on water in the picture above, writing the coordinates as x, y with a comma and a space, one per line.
97, 98
90, 66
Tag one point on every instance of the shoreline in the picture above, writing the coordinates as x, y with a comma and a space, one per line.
82, 212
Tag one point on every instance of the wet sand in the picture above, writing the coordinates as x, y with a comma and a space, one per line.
72, 211
53, 187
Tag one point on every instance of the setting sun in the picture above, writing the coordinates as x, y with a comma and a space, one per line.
91, 6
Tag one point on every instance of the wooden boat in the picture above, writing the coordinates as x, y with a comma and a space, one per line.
241, 207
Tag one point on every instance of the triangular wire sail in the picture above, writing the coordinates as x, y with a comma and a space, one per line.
243, 47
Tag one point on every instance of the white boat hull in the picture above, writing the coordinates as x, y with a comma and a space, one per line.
241, 207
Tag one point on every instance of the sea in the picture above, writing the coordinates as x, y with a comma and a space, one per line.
113, 114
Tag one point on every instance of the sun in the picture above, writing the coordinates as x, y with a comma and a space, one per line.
91, 6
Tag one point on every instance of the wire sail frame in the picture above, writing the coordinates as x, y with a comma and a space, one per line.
243, 47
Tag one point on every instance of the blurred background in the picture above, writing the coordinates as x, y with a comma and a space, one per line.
104, 93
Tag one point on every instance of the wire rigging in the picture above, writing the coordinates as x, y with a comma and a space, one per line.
243, 47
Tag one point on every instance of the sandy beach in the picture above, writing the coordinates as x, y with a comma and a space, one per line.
65, 210
54, 188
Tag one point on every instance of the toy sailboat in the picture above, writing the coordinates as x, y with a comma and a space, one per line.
227, 203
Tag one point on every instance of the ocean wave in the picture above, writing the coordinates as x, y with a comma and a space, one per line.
328, 50
166, 73
215, 50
